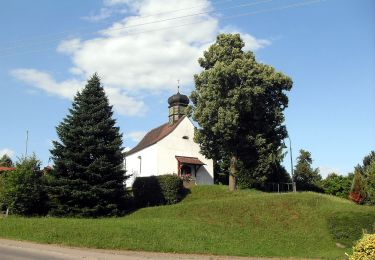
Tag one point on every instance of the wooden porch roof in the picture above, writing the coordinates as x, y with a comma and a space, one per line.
189, 160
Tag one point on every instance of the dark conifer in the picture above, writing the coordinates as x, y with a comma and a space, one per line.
88, 176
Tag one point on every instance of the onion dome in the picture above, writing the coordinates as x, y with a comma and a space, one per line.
178, 99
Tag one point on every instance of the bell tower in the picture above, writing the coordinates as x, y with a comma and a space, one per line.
177, 106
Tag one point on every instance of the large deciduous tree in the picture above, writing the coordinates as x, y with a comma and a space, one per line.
238, 104
88, 176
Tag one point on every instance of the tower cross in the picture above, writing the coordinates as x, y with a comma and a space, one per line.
178, 86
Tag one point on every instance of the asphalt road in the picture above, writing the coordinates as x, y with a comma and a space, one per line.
17, 250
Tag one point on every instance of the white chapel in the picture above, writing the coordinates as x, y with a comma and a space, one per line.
170, 149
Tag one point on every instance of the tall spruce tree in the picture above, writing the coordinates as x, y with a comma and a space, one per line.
88, 176
239, 106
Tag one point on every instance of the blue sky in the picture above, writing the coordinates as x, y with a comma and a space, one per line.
140, 48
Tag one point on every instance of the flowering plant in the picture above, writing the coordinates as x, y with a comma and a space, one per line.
186, 177
356, 197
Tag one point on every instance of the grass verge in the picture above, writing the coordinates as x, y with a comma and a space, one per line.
212, 220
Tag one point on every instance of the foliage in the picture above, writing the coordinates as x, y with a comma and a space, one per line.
293, 225
157, 190
337, 185
370, 182
364, 249
363, 185
22, 191
88, 176
147, 191
367, 161
238, 104
171, 188
346, 227
305, 176
6, 161
358, 191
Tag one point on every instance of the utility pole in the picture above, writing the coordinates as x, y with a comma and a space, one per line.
291, 165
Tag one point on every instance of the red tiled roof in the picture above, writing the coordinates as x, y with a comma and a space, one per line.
154, 136
189, 160
3, 169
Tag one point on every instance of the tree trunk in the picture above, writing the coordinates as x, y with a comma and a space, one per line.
233, 173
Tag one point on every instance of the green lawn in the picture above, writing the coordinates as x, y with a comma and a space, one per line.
212, 220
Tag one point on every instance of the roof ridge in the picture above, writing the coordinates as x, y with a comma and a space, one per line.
154, 136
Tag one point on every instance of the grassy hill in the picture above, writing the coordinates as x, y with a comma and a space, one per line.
212, 220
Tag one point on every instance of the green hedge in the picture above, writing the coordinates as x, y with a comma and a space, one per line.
157, 190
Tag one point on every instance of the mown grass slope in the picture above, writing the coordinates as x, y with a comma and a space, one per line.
212, 220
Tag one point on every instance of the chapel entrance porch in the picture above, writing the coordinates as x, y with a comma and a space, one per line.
187, 168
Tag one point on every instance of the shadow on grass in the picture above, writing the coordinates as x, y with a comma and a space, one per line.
131, 205
347, 227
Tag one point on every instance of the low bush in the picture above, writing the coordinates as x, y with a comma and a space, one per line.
364, 249
157, 190
171, 188
23, 191
147, 191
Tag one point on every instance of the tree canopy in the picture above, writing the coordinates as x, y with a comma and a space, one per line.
337, 185
363, 185
305, 176
6, 161
88, 176
238, 104
22, 190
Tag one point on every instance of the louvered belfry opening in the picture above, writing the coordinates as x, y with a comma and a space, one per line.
177, 107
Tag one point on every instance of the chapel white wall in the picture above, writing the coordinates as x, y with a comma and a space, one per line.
149, 164
173, 144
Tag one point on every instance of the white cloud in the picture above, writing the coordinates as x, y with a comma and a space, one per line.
69, 46
76, 71
103, 14
251, 43
119, 2
155, 60
122, 103
135, 136
44, 81
6, 151
135, 59
325, 170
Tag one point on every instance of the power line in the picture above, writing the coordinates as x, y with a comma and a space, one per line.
285, 7
137, 25
86, 27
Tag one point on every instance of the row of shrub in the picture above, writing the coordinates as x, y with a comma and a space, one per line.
157, 190
26, 190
